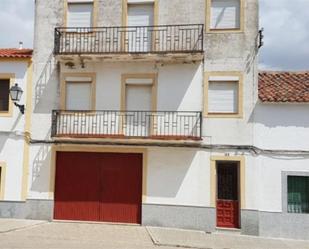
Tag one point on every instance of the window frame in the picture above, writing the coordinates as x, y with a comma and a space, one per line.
234, 74
2, 180
79, 75
125, 10
94, 11
284, 180
11, 78
227, 30
150, 76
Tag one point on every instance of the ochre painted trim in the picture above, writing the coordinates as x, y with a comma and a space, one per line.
152, 76
125, 4
100, 149
2, 180
207, 75
208, 20
213, 177
11, 77
63, 88
94, 12
26, 154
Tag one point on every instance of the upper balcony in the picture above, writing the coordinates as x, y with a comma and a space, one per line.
145, 43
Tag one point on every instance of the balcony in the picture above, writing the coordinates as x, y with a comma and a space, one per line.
163, 42
164, 125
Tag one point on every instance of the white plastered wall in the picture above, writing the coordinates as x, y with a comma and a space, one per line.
279, 127
11, 134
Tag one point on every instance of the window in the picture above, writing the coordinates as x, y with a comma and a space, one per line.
223, 94
298, 194
80, 15
4, 95
223, 97
225, 14
140, 39
78, 96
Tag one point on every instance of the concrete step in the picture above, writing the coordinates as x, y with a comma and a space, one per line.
231, 231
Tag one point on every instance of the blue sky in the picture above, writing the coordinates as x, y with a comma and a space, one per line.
286, 24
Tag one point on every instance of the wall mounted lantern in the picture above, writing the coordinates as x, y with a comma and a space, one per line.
16, 92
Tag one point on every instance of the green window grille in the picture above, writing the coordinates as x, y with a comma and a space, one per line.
298, 194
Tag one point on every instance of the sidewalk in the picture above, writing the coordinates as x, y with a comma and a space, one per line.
196, 239
58, 235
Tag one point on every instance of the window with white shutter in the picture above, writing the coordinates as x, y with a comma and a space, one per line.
223, 97
78, 96
140, 38
80, 15
225, 14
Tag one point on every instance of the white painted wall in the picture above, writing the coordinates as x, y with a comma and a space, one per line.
270, 173
39, 172
182, 82
282, 126
178, 177
11, 134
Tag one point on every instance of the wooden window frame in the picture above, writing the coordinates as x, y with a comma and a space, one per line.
2, 180
11, 78
126, 3
231, 30
94, 11
239, 114
152, 76
81, 75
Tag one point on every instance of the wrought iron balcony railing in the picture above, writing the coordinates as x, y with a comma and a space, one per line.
140, 39
127, 124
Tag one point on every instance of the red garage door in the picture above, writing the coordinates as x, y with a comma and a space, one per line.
98, 187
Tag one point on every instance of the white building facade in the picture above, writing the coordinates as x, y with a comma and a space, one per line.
15, 68
147, 112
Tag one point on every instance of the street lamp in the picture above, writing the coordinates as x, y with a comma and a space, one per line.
16, 92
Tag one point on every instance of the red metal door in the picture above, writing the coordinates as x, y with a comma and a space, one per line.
98, 187
77, 187
228, 195
121, 195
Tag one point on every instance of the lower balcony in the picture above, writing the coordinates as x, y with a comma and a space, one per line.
162, 125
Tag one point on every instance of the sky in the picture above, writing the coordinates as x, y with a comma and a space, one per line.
285, 23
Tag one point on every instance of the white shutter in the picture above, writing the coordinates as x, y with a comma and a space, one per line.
139, 39
223, 97
140, 15
80, 15
139, 98
225, 14
78, 96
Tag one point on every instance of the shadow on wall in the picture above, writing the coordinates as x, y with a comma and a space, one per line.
46, 87
182, 86
41, 169
252, 56
281, 115
167, 173
3, 140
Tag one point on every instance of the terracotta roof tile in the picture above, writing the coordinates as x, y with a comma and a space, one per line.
292, 87
15, 53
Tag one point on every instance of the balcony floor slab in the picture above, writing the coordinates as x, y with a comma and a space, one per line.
161, 58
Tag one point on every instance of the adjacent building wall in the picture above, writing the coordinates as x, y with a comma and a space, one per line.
12, 128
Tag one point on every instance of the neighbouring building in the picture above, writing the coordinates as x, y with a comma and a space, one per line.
15, 67
153, 112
